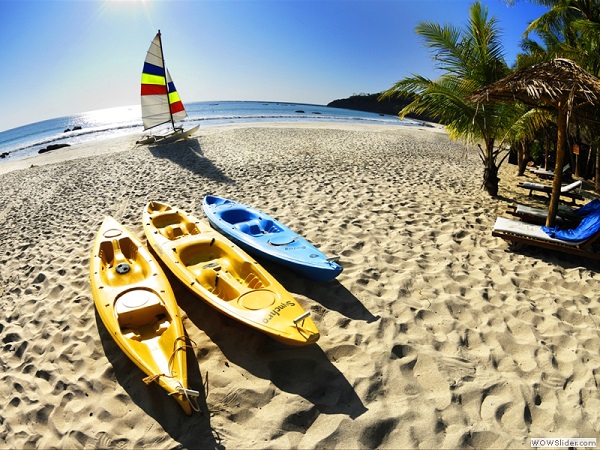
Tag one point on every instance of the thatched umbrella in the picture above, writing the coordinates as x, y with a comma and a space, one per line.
559, 84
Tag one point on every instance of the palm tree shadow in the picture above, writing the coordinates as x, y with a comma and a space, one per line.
155, 402
189, 155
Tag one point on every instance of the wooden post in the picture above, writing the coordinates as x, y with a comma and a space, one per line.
546, 151
576, 153
597, 180
560, 157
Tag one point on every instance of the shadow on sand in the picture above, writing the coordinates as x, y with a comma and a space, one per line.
331, 294
155, 402
561, 259
189, 155
304, 371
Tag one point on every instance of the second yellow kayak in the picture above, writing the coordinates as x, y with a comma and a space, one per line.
225, 276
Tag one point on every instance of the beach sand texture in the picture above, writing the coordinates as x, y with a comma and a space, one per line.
434, 336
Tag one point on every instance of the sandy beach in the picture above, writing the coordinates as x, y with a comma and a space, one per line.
435, 335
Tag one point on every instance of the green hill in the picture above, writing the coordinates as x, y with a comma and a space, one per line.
370, 103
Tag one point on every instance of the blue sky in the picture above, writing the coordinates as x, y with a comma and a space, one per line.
62, 57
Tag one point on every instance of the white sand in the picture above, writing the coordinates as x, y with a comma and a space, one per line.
433, 336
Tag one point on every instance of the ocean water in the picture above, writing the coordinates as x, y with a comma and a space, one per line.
27, 140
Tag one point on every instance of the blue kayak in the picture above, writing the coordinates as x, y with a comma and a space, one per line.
263, 236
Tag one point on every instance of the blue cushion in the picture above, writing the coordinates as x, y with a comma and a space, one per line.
592, 206
589, 225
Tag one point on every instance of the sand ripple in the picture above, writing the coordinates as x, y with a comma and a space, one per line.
433, 336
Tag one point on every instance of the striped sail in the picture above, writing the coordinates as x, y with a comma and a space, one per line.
160, 100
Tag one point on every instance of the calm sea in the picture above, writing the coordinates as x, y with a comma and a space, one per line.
106, 123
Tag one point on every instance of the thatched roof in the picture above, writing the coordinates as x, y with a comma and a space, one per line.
544, 85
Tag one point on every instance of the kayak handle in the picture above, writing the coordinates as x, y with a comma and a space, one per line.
333, 259
188, 392
302, 317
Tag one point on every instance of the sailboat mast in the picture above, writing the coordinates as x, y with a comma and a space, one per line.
162, 55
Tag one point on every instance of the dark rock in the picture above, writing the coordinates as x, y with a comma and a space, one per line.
300, 111
77, 127
67, 130
53, 147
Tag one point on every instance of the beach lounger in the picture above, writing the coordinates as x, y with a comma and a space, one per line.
543, 173
566, 217
519, 233
539, 215
569, 190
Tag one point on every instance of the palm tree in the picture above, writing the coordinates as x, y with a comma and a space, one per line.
550, 45
469, 59
570, 29
576, 24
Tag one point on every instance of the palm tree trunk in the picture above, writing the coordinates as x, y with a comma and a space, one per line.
560, 157
490, 174
523, 156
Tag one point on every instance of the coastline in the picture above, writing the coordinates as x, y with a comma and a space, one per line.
128, 142
434, 335
28, 140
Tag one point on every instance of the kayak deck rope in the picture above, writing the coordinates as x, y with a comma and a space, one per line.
190, 394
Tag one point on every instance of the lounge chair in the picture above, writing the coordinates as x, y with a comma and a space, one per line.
520, 233
543, 173
569, 190
566, 216
538, 216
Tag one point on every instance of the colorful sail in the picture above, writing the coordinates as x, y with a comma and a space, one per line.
177, 110
160, 100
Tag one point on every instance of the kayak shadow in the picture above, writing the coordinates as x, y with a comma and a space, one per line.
154, 400
189, 155
331, 294
305, 371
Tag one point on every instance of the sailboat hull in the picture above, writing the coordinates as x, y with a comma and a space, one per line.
170, 137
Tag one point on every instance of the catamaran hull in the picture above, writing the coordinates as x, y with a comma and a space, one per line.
171, 137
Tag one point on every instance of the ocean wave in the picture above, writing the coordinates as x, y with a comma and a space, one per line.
29, 139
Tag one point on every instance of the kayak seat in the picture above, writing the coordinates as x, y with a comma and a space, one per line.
139, 307
257, 227
243, 227
132, 334
121, 264
237, 216
269, 226
173, 232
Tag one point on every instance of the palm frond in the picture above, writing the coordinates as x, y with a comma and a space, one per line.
407, 87
526, 123
446, 46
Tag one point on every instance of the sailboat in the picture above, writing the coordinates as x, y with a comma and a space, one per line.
160, 101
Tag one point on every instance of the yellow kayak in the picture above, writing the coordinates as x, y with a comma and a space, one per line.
225, 276
136, 304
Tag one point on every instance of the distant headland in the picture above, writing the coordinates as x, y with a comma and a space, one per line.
371, 103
